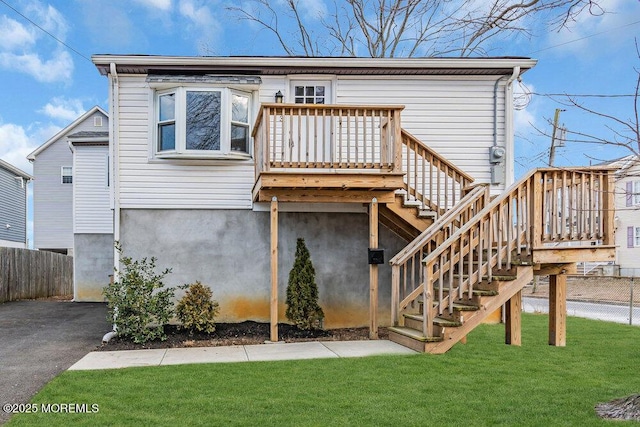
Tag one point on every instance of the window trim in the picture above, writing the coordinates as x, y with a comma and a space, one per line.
180, 151
636, 237
635, 193
63, 175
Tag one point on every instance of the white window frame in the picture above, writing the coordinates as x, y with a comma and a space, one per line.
636, 237
180, 118
63, 175
635, 195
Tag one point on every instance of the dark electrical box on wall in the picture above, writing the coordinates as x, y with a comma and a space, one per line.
376, 256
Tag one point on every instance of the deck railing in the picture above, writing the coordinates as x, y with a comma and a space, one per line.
406, 267
431, 179
327, 136
544, 207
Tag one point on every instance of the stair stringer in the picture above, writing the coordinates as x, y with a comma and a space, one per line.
404, 220
507, 290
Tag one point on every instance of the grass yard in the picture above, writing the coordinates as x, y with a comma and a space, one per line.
481, 383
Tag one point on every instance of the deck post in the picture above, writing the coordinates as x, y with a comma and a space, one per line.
513, 320
274, 270
558, 310
608, 207
373, 271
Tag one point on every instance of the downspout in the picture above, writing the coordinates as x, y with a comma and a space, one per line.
114, 110
508, 120
498, 156
73, 216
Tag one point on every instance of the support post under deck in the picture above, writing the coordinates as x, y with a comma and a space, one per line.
558, 310
513, 320
274, 270
373, 271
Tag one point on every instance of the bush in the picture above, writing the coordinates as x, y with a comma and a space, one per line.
196, 309
139, 304
302, 292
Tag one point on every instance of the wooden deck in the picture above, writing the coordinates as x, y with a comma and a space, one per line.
464, 243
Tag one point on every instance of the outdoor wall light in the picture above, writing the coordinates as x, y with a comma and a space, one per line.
279, 97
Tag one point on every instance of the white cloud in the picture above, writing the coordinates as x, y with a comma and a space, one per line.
164, 5
58, 68
14, 35
22, 46
63, 109
15, 145
48, 17
202, 20
590, 33
313, 9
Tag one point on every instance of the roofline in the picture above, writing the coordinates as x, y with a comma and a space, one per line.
257, 63
13, 169
32, 156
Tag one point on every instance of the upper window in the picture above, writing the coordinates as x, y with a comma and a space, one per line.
67, 175
202, 121
309, 94
636, 192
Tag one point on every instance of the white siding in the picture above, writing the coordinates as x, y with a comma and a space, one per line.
92, 213
454, 116
52, 200
168, 184
627, 216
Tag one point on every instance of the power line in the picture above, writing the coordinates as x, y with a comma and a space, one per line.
583, 95
585, 37
45, 31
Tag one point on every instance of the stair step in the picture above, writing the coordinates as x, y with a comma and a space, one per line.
456, 306
475, 292
440, 321
494, 277
413, 334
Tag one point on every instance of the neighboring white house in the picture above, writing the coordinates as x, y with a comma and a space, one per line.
53, 184
184, 167
627, 202
13, 206
92, 214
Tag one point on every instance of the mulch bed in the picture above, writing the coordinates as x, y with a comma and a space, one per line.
244, 333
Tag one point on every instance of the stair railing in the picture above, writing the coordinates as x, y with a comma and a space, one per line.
431, 179
406, 266
544, 207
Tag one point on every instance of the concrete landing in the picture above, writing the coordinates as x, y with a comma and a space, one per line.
239, 353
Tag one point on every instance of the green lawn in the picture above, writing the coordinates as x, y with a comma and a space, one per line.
481, 383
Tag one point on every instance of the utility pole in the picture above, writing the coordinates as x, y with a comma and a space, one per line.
552, 152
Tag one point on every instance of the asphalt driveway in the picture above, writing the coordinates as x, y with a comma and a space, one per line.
40, 339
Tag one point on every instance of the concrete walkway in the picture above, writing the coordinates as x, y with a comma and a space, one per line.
237, 353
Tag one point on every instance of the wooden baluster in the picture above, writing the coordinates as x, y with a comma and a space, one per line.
423, 188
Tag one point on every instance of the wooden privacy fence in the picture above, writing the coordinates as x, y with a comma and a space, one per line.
28, 274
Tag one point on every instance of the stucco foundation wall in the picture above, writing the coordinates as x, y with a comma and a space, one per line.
92, 265
228, 250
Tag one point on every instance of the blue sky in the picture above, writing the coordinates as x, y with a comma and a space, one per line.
45, 85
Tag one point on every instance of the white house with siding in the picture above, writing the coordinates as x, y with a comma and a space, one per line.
53, 184
189, 155
13, 206
628, 215
92, 214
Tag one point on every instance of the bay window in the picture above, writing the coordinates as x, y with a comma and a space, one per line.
201, 122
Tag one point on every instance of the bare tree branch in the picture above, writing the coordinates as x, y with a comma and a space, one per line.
390, 28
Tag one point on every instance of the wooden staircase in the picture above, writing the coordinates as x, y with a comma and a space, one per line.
479, 254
